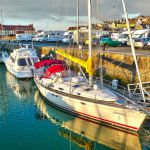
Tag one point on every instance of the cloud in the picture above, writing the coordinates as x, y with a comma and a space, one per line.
52, 13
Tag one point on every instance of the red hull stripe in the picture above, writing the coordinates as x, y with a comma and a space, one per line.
100, 119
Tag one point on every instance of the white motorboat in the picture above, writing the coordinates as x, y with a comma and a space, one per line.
21, 61
73, 94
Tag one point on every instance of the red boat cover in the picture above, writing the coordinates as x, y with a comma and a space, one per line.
47, 63
53, 69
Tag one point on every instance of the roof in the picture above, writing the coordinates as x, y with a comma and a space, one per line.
17, 27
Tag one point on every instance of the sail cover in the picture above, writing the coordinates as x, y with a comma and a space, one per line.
54, 69
88, 65
47, 63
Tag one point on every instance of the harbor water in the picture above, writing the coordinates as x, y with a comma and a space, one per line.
28, 123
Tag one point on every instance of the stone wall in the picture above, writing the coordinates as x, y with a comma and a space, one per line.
119, 66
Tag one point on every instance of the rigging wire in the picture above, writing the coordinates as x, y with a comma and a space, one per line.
61, 14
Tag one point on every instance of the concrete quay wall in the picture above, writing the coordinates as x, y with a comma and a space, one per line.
115, 65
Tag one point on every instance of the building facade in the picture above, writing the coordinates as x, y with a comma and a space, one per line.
6, 30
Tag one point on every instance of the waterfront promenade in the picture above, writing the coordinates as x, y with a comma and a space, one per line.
113, 50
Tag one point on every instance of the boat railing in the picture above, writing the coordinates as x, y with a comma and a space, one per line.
107, 83
134, 89
128, 92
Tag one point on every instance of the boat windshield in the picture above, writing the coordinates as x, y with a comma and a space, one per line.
124, 36
21, 62
24, 62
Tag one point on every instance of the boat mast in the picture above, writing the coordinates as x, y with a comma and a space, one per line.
133, 49
77, 22
90, 42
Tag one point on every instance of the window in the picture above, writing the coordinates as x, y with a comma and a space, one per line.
76, 86
61, 89
87, 90
21, 62
12, 59
29, 61
35, 60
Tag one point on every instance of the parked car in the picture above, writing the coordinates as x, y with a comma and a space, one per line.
43, 39
147, 46
24, 37
123, 39
139, 34
94, 42
109, 41
141, 42
115, 35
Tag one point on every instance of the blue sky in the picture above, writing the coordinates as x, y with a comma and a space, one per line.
59, 14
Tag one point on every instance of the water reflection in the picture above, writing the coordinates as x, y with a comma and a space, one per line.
86, 134
22, 88
3, 92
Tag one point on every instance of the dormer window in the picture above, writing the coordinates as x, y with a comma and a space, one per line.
61, 89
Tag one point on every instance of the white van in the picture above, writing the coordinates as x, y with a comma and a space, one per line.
24, 37
144, 33
115, 35
55, 36
124, 37
68, 37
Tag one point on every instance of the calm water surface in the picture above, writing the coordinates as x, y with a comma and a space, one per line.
28, 123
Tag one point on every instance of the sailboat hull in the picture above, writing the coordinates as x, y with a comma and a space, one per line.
115, 116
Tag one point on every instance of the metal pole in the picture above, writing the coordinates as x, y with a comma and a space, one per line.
90, 40
133, 49
77, 22
2, 25
98, 17
101, 71
89, 28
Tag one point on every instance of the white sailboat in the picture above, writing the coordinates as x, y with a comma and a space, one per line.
76, 129
71, 93
21, 61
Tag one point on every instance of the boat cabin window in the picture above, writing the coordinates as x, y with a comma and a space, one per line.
61, 89
29, 61
22, 62
12, 59
88, 89
76, 86
35, 60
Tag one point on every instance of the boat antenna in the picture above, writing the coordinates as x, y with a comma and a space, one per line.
90, 42
98, 16
133, 49
32, 45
